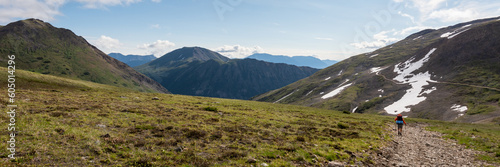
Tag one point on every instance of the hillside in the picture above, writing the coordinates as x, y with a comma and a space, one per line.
201, 72
448, 74
64, 122
308, 61
42, 48
133, 60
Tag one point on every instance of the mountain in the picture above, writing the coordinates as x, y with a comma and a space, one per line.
132, 60
452, 74
330, 62
308, 61
201, 72
40, 47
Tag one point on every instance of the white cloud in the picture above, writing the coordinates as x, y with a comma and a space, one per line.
427, 6
410, 30
380, 40
46, 10
15, 9
107, 43
238, 51
158, 48
104, 3
157, 1
155, 26
407, 15
454, 14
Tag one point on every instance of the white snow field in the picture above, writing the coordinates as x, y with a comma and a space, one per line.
337, 91
418, 81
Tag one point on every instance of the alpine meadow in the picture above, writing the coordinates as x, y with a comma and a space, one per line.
74, 97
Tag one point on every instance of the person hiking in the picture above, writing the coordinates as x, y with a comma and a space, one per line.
400, 121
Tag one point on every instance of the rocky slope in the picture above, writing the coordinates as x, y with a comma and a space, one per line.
449, 74
201, 72
42, 48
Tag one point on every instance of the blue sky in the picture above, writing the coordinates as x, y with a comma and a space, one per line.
327, 29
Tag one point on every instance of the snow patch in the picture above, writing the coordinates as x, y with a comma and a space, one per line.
309, 92
427, 91
459, 108
326, 79
336, 91
457, 33
450, 35
381, 90
322, 93
418, 81
417, 37
340, 73
286, 96
354, 110
347, 80
468, 25
377, 69
372, 56
446, 35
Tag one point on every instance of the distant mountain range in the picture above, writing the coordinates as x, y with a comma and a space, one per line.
308, 61
40, 47
133, 60
452, 74
202, 72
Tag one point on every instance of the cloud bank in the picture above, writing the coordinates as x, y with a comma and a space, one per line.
238, 51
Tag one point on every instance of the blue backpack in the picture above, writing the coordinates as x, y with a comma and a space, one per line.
399, 120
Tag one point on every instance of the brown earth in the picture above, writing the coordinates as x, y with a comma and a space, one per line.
419, 147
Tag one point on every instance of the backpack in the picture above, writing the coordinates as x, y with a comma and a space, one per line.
399, 120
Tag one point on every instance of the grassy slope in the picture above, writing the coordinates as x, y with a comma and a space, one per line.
78, 123
42, 48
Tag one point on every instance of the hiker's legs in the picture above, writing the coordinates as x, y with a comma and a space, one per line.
400, 129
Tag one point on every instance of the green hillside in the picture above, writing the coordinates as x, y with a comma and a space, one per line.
39, 47
79, 123
460, 71
63, 122
198, 71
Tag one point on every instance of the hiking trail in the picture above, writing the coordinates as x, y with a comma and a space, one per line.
419, 147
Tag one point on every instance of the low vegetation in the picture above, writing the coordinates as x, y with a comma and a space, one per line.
64, 122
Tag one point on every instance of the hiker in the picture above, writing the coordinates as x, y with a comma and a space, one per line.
400, 121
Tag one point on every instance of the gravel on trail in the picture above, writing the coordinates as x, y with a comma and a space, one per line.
419, 147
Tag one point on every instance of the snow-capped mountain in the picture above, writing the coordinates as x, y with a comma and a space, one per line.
452, 73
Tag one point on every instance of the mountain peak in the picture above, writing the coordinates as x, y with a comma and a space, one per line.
31, 23
189, 54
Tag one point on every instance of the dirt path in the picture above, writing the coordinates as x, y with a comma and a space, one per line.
418, 147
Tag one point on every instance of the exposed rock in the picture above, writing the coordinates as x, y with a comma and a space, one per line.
334, 164
155, 98
251, 160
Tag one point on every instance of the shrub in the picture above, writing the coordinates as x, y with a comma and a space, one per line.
342, 126
214, 109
